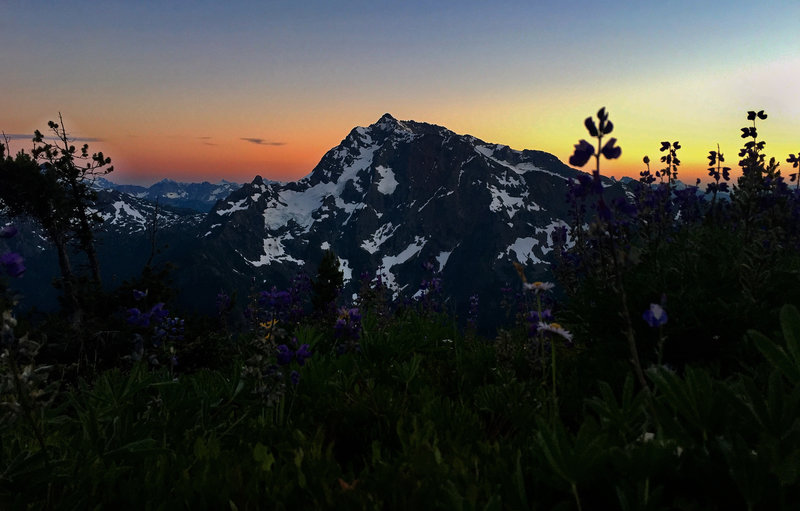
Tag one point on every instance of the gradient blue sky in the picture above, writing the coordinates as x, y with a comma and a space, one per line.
177, 90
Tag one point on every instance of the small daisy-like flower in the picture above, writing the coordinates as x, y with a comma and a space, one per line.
538, 287
655, 315
556, 329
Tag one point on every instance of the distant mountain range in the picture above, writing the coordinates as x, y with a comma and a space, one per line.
196, 196
389, 198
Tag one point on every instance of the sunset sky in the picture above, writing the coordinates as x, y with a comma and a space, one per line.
206, 90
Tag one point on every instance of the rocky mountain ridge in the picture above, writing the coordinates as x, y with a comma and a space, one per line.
399, 198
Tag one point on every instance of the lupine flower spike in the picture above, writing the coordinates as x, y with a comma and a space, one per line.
655, 316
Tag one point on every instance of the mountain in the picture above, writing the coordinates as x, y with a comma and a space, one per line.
195, 196
399, 198
126, 239
391, 197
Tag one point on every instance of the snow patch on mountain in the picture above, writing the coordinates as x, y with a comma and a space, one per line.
298, 206
549, 229
442, 259
503, 201
387, 182
274, 251
347, 271
389, 261
523, 250
520, 168
383, 233
123, 209
236, 206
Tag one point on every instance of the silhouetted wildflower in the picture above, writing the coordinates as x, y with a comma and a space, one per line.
795, 161
610, 151
751, 115
583, 151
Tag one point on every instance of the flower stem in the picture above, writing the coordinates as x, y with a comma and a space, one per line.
575, 494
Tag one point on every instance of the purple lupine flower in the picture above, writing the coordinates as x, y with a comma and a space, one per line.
609, 151
274, 298
583, 151
294, 377
534, 319
302, 354
655, 316
13, 263
137, 318
284, 355
158, 313
590, 126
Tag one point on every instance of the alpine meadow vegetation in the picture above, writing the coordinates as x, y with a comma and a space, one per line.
660, 369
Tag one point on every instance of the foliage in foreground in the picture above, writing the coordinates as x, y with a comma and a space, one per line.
671, 381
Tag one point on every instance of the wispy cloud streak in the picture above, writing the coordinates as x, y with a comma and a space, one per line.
23, 136
261, 141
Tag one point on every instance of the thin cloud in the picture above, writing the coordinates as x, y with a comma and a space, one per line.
261, 141
22, 136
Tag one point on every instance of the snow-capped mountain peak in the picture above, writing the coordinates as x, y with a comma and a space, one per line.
395, 194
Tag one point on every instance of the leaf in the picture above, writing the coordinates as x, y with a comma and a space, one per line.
790, 324
263, 456
144, 446
519, 482
776, 356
